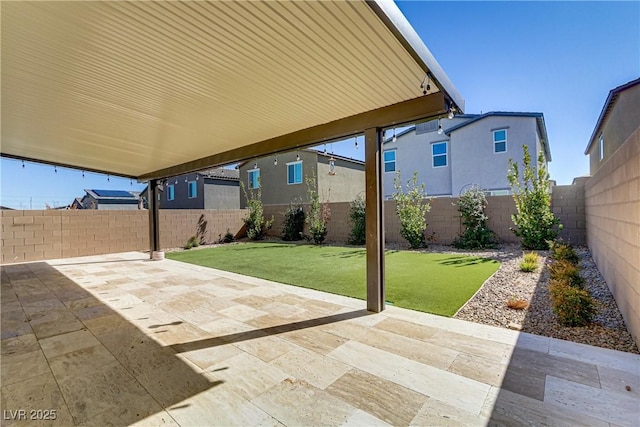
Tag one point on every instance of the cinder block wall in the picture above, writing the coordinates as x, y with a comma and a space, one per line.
38, 235
443, 220
177, 225
569, 206
612, 200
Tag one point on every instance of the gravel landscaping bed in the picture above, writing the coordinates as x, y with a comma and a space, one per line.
488, 305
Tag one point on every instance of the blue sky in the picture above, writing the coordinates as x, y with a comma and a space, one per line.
558, 58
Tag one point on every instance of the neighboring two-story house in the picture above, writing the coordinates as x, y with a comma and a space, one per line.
209, 189
450, 155
282, 177
619, 118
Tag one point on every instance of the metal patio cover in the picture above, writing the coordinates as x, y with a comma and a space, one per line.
137, 88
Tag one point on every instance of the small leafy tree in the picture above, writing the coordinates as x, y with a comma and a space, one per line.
293, 225
535, 224
319, 213
411, 208
477, 234
255, 222
357, 211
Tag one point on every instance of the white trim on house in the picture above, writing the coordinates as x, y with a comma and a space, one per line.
445, 154
601, 147
394, 161
298, 162
195, 191
506, 138
249, 181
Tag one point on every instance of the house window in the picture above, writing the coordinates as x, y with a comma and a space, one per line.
193, 190
601, 147
254, 178
439, 154
500, 141
390, 160
171, 195
294, 173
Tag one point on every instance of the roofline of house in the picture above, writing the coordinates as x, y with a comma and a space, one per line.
399, 134
91, 193
311, 150
608, 104
477, 117
338, 157
542, 128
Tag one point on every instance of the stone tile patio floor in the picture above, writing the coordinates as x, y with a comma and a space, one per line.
118, 340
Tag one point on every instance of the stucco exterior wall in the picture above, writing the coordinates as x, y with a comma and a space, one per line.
413, 154
221, 194
273, 178
342, 187
181, 198
345, 185
473, 157
50, 234
622, 121
612, 201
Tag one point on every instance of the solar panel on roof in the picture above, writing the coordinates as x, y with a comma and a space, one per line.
113, 193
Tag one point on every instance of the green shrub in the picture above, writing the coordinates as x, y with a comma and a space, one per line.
531, 257
411, 208
293, 225
476, 235
358, 235
572, 306
228, 237
561, 251
535, 224
255, 222
193, 242
564, 271
528, 266
319, 213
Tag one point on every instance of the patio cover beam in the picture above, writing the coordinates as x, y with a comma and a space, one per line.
154, 218
411, 111
374, 215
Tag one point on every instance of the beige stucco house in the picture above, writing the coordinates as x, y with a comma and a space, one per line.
282, 177
619, 119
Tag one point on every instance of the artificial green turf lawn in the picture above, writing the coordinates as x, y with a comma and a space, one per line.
434, 283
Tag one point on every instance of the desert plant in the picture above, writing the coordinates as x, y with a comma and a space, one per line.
476, 235
228, 237
535, 224
319, 213
517, 304
564, 271
411, 208
572, 306
529, 262
293, 225
255, 221
193, 242
357, 210
561, 251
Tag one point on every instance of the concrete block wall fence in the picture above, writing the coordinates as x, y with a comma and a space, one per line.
443, 220
36, 235
32, 235
612, 202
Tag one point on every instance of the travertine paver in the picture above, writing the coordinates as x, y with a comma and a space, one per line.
119, 340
